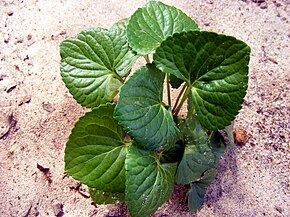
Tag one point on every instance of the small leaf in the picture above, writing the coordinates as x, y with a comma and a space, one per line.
198, 190
216, 69
141, 112
195, 197
94, 63
153, 23
95, 152
198, 156
196, 160
101, 197
149, 183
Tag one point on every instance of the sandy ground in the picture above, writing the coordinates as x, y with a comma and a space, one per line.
37, 113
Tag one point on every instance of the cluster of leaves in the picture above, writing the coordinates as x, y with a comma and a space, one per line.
136, 150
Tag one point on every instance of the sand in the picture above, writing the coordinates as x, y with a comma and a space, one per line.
37, 113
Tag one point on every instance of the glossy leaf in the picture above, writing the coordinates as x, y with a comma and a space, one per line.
94, 63
101, 197
153, 23
216, 69
95, 152
149, 183
141, 112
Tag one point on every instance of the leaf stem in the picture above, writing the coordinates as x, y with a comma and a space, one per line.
184, 97
147, 58
119, 77
168, 90
179, 95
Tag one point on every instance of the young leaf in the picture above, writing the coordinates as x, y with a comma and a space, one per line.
198, 190
141, 112
153, 23
196, 160
94, 63
215, 68
95, 152
149, 183
101, 197
195, 197
198, 156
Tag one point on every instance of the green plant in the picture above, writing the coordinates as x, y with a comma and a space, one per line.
136, 149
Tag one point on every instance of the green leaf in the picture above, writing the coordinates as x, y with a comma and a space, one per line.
196, 160
94, 63
153, 23
149, 183
216, 69
198, 156
95, 152
141, 112
198, 190
101, 197
195, 197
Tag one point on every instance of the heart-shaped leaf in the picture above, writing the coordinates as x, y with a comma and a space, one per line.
101, 197
215, 68
141, 112
153, 23
95, 152
149, 183
94, 63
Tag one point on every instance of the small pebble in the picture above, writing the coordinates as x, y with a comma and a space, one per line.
240, 136
29, 37
9, 13
58, 210
47, 107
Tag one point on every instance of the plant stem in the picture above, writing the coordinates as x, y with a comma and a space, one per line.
178, 97
147, 58
184, 97
168, 90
